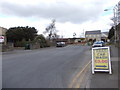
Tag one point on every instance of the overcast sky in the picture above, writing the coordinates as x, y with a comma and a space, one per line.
70, 15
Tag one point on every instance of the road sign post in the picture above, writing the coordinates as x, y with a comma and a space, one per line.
101, 60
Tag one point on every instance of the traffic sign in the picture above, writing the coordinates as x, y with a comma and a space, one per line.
101, 59
1, 39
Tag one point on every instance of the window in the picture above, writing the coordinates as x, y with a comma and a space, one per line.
94, 36
86, 35
98, 35
89, 35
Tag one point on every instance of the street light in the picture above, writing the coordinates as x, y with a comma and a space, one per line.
115, 20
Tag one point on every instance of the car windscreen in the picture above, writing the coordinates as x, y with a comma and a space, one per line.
97, 43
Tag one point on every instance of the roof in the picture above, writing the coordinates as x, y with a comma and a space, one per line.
61, 39
93, 32
106, 33
2, 30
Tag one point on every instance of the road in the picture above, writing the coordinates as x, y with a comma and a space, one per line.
45, 68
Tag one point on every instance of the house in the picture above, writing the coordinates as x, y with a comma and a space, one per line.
92, 36
104, 36
66, 40
3, 39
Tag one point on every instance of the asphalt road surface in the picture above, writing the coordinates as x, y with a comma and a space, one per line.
43, 68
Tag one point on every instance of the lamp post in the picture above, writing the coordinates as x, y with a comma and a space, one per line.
115, 20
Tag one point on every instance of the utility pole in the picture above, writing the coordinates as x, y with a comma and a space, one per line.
83, 33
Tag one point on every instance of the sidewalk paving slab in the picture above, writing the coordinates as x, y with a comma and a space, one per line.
104, 79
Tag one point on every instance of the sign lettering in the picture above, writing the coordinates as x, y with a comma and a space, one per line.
101, 59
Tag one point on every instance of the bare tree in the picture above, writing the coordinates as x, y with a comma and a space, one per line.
74, 35
51, 30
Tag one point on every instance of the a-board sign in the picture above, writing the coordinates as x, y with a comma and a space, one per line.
101, 59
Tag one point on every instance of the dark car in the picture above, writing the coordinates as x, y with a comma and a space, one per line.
60, 44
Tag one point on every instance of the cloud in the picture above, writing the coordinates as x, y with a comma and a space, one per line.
61, 11
71, 16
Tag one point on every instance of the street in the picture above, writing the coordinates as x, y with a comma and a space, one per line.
45, 68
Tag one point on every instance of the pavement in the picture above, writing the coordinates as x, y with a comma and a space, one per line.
0, 69
18, 51
104, 79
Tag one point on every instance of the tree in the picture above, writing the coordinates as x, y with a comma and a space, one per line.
51, 30
41, 40
15, 34
111, 33
118, 32
74, 35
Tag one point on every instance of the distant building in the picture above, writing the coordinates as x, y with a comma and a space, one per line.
70, 40
93, 35
66, 40
3, 39
104, 36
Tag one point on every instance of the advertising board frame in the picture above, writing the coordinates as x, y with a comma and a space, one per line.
93, 61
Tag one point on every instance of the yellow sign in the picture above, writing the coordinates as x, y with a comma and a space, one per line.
101, 59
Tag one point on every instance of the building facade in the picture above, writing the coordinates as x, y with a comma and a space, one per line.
93, 35
104, 36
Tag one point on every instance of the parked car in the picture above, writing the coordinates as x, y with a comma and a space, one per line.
103, 43
98, 44
60, 44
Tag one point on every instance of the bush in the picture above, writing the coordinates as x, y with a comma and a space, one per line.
42, 41
20, 44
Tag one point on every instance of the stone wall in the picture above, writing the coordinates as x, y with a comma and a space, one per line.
117, 44
8, 47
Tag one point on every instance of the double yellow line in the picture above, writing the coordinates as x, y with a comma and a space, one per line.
73, 84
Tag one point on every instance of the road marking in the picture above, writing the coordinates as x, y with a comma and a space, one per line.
78, 84
78, 75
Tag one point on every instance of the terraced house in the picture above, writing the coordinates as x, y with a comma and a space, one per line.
93, 35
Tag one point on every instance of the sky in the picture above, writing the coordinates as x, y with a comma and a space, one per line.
72, 16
